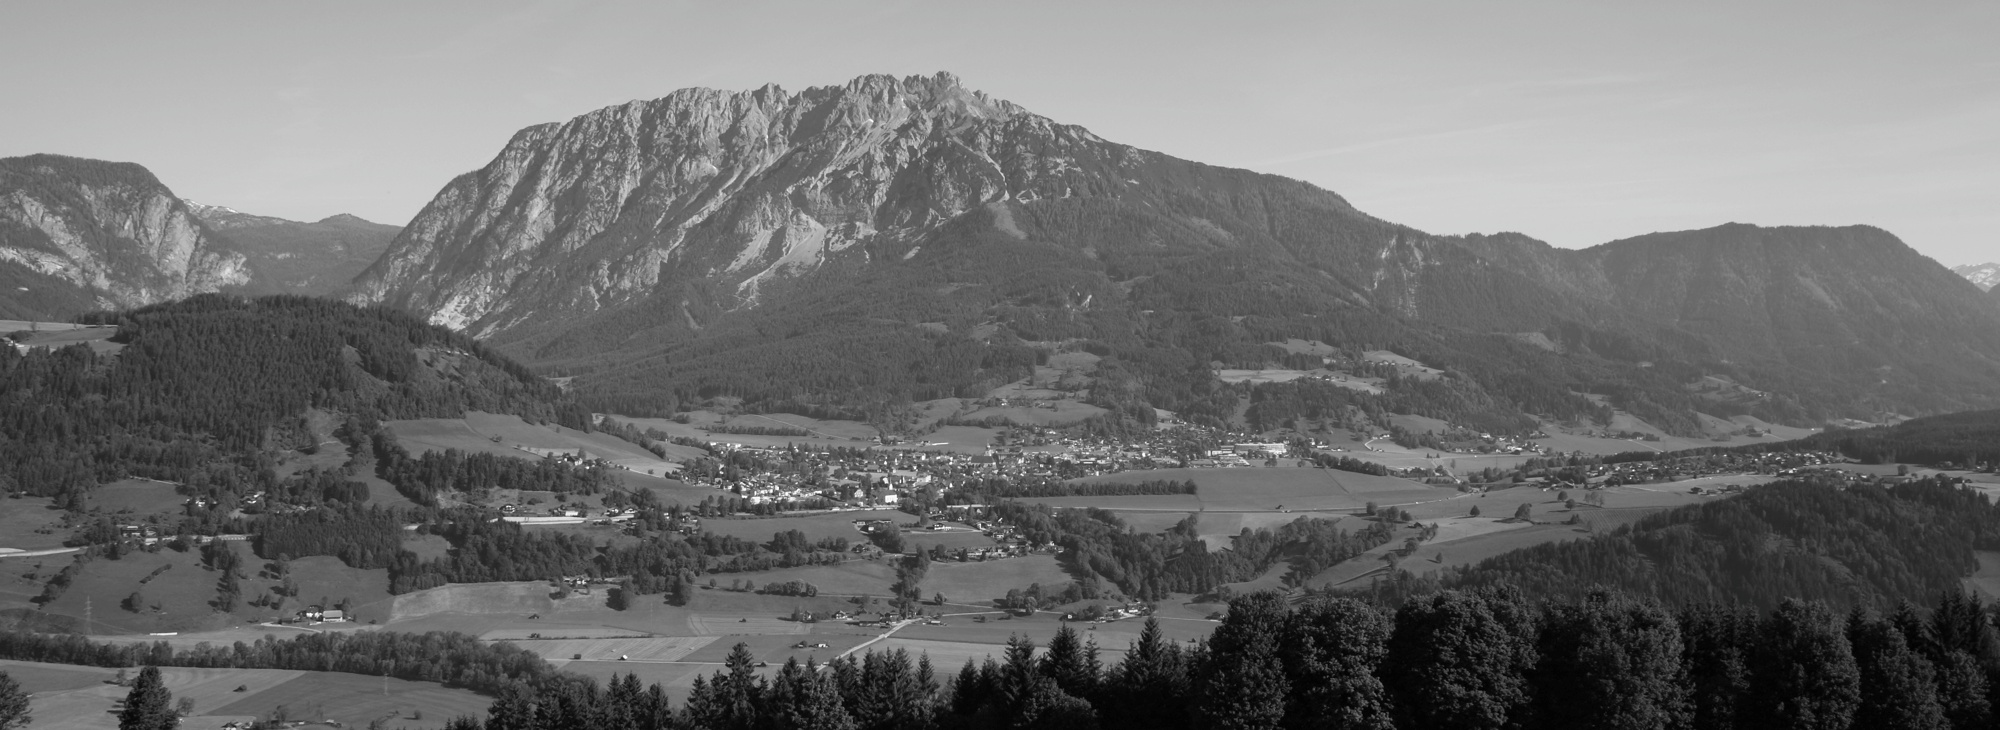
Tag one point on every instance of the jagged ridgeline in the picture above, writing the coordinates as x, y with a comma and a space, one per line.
890, 239
203, 386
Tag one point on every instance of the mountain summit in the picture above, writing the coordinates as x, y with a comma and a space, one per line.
896, 239
742, 189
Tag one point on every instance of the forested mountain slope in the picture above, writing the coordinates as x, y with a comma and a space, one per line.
890, 240
206, 385
292, 257
1857, 546
79, 234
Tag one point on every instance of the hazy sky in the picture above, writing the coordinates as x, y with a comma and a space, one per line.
1576, 122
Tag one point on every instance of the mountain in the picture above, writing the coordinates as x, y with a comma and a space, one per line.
295, 257
222, 218
79, 234
886, 240
207, 384
1983, 275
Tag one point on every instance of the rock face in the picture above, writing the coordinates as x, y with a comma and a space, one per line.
894, 239
1985, 276
742, 190
78, 234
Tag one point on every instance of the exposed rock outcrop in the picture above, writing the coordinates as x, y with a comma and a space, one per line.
106, 234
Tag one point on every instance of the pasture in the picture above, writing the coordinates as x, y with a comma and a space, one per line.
1258, 489
355, 700
981, 582
816, 527
854, 577
508, 435
1986, 580
1044, 412
1405, 367
138, 497
94, 706
64, 334
698, 433
30, 523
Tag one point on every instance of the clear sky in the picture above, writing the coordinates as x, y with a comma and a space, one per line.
1574, 122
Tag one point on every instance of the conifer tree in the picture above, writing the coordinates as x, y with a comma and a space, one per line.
1898, 689
149, 706
514, 709
1242, 684
13, 704
1715, 643
1150, 688
1802, 672
1066, 663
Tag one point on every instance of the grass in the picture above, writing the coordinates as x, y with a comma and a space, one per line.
1057, 412
641, 649
140, 496
23, 521
850, 578
37, 677
367, 591
477, 433
982, 582
1986, 580
1258, 489
356, 700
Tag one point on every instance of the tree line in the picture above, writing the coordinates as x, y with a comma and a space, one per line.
1487, 659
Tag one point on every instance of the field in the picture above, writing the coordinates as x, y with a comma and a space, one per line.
63, 334
506, 435
982, 582
1986, 580
83, 698
688, 430
1051, 412
815, 527
23, 521
1258, 489
140, 497
355, 700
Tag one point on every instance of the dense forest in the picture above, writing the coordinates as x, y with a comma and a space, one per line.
1485, 659
202, 385
1860, 546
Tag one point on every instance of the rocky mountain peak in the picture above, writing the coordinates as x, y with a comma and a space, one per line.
1985, 276
224, 218
747, 188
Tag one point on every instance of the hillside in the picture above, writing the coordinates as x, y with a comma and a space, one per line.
847, 250
1858, 546
205, 388
78, 235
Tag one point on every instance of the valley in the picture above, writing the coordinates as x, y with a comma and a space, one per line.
901, 404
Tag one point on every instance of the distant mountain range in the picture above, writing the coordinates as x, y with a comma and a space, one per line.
1983, 275
852, 249
79, 234
911, 238
316, 258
